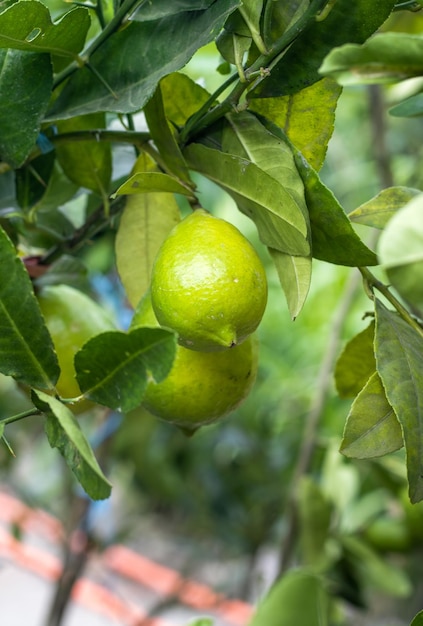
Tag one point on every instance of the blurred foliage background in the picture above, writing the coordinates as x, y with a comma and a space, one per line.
224, 495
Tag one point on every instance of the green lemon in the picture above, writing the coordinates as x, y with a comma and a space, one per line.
208, 283
72, 319
201, 387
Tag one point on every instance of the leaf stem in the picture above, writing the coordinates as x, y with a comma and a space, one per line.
374, 283
262, 64
20, 416
127, 7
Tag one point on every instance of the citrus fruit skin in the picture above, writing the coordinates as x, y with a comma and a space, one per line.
71, 318
202, 387
208, 283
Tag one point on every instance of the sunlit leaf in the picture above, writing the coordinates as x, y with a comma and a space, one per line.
281, 225
64, 433
26, 348
307, 117
26, 81
150, 182
113, 368
356, 363
372, 428
399, 350
386, 57
378, 211
418, 620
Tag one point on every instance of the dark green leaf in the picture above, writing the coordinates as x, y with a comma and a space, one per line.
86, 163
67, 270
32, 180
113, 367
25, 87
372, 428
297, 598
399, 350
378, 211
386, 57
356, 363
411, 107
299, 67
418, 620
64, 433
26, 348
163, 8
28, 26
333, 237
280, 223
164, 46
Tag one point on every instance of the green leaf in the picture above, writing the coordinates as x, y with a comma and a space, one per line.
418, 620
295, 277
64, 433
401, 242
162, 8
26, 348
57, 189
113, 367
32, 180
378, 211
150, 182
315, 514
372, 428
28, 26
86, 163
399, 350
411, 107
164, 45
333, 237
299, 66
67, 270
356, 363
374, 570
400, 249
25, 87
307, 117
182, 97
386, 57
145, 223
164, 137
279, 222
203, 621
297, 598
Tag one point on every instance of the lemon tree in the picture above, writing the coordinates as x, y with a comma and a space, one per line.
98, 147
